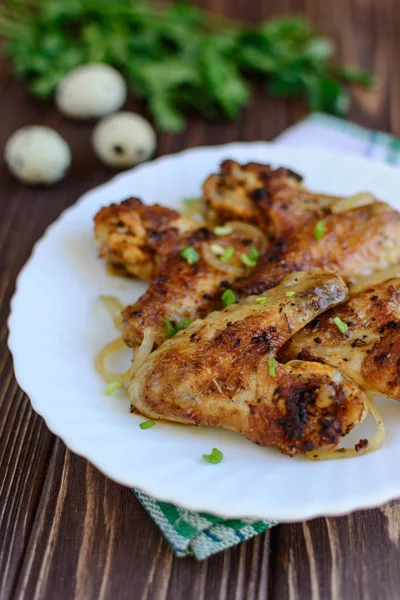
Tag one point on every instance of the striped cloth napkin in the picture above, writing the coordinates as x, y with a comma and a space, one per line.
200, 534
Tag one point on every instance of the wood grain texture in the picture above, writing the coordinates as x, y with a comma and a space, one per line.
68, 532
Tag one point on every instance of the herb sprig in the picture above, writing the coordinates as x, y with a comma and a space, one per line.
176, 56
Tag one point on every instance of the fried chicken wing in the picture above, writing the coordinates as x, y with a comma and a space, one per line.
222, 372
273, 199
184, 291
369, 351
356, 243
133, 237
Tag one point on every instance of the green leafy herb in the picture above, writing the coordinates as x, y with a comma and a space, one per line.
112, 386
183, 324
228, 297
147, 424
190, 255
222, 230
271, 367
227, 254
172, 329
343, 327
250, 259
178, 57
215, 457
319, 230
290, 294
261, 300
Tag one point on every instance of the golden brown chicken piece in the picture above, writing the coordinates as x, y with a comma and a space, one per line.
133, 237
222, 372
369, 351
184, 291
273, 199
356, 243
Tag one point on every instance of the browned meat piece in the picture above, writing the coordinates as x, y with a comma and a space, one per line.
133, 237
356, 243
273, 199
184, 291
222, 372
369, 351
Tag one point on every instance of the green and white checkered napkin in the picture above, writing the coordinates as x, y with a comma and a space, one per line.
201, 534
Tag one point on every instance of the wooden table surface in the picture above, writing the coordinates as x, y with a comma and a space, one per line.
68, 532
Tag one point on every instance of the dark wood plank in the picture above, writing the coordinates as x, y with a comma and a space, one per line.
68, 532
355, 556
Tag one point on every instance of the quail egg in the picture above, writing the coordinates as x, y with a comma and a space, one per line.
37, 154
91, 91
123, 140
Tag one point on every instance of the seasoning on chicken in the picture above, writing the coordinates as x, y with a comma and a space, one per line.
274, 199
190, 286
133, 237
356, 243
222, 372
361, 338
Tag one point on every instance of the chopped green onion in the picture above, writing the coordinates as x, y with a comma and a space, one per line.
319, 230
340, 325
223, 230
253, 253
289, 294
227, 255
147, 424
261, 300
170, 327
250, 259
217, 249
228, 297
190, 255
246, 260
183, 324
215, 457
112, 386
271, 367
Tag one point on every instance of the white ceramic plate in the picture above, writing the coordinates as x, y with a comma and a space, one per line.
58, 324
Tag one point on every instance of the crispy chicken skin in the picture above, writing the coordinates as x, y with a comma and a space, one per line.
273, 199
369, 352
218, 372
356, 243
183, 291
132, 237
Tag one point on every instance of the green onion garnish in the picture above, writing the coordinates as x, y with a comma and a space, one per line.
228, 297
340, 325
190, 255
253, 253
227, 255
217, 249
170, 328
189, 201
183, 324
261, 300
112, 386
147, 424
246, 260
289, 294
215, 457
250, 259
271, 367
319, 230
223, 230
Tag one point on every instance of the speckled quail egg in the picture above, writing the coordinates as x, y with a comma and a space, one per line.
123, 140
37, 154
91, 91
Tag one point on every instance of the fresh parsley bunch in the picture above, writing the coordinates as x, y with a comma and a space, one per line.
176, 56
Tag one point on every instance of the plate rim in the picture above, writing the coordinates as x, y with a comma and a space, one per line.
347, 505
